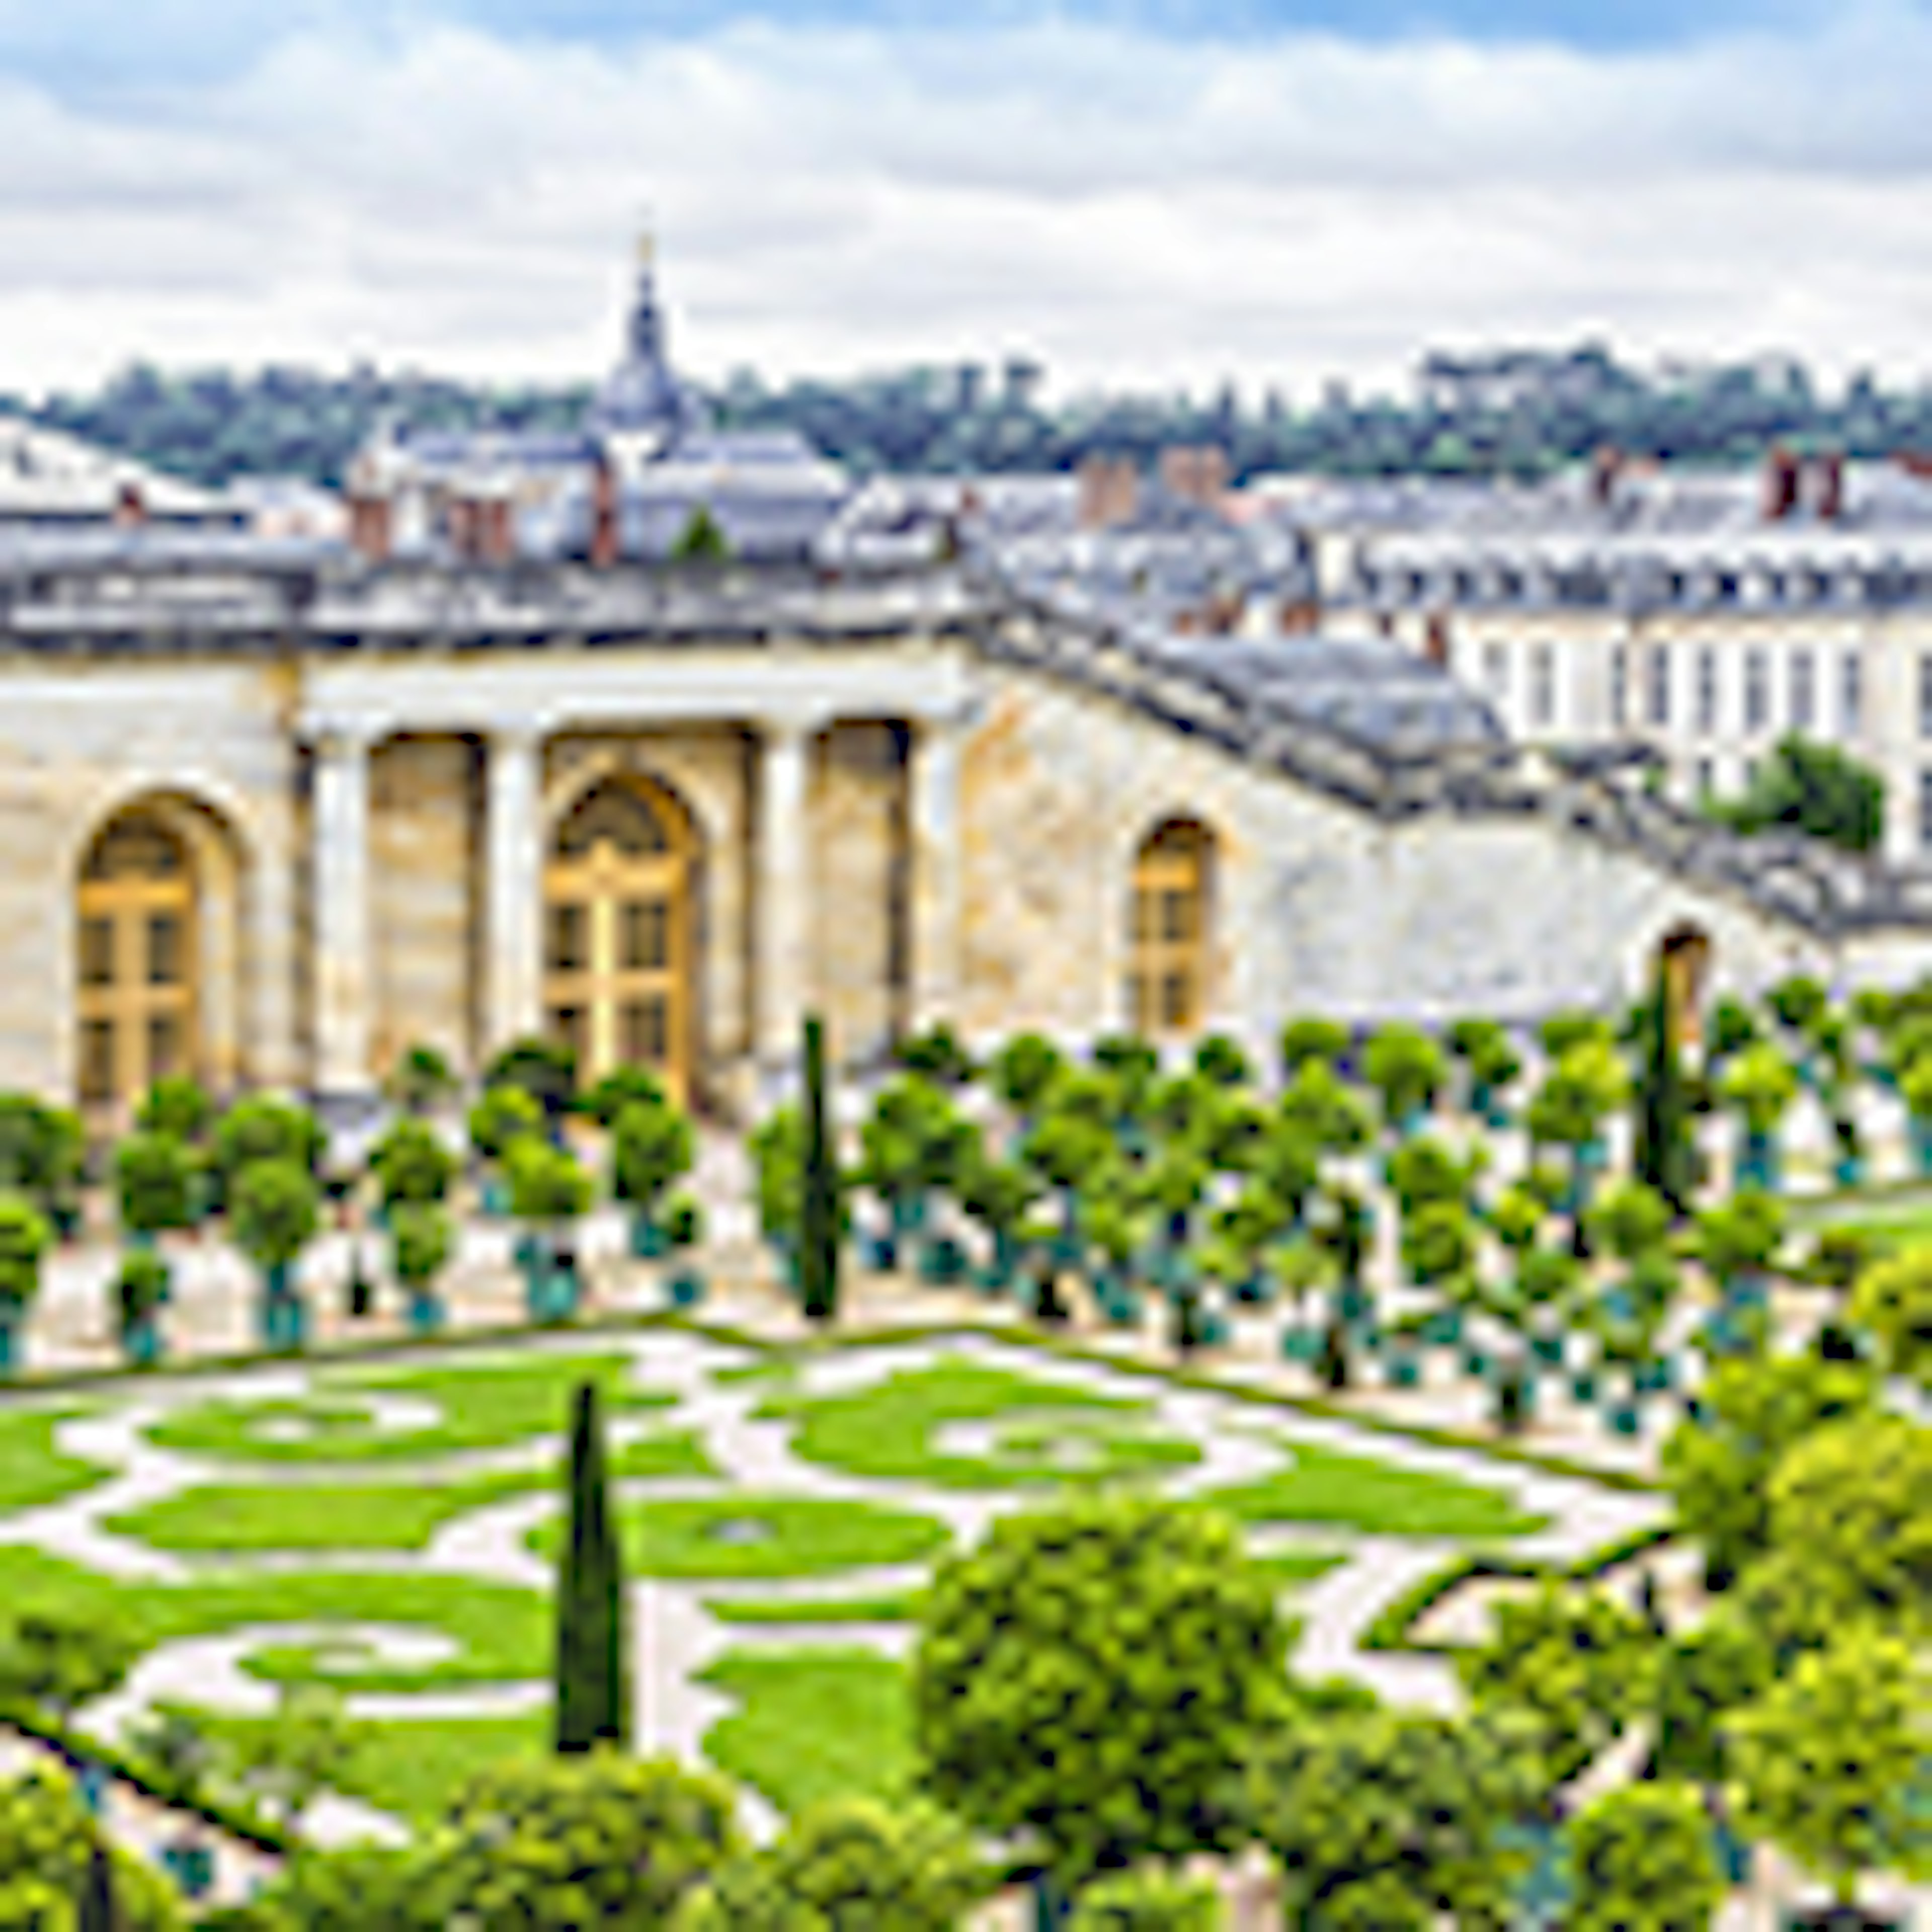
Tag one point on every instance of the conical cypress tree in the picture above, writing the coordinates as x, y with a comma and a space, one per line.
99, 1908
1664, 1151
593, 1686
818, 1230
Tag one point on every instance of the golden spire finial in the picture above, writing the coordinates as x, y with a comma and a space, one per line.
647, 243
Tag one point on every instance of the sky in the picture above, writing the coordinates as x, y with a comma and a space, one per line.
1148, 192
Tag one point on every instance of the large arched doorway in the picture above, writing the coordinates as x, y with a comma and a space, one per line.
1684, 957
138, 991
617, 926
1168, 930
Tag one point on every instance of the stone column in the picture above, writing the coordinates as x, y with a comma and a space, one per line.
934, 834
513, 890
339, 828
782, 920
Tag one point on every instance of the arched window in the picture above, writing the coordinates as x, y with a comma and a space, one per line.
617, 894
1167, 972
1685, 958
136, 977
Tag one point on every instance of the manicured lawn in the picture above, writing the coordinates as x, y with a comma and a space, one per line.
33, 1472
888, 1607
412, 1768
318, 1516
813, 1723
1290, 1567
1326, 1486
481, 1404
1052, 1432
749, 1535
500, 1634
664, 1454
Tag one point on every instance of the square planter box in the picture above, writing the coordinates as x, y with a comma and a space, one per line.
686, 1288
1625, 1420
1405, 1370
1583, 1386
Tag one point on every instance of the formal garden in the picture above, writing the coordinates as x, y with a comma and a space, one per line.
1534, 1418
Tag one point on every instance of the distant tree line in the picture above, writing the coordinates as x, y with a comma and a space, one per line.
1518, 413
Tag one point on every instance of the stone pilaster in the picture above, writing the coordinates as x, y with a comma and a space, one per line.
513, 890
933, 831
340, 808
783, 891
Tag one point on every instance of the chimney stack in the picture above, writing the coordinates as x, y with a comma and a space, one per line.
1606, 463
496, 533
130, 506
370, 524
1829, 488
1780, 484
1109, 491
1196, 473
605, 535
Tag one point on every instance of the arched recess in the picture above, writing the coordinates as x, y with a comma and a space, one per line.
620, 930
1683, 958
156, 953
1170, 928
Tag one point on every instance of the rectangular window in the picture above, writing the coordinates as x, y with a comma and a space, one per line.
1176, 1006
1619, 684
644, 937
96, 952
1707, 690
1707, 777
1496, 669
569, 945
1543, 685
1925, 812
1925, 698
96, 1060
1176, 915
164, 1046
1851, 693
644, 1031
1659, 684
570, 1026
165, 964
1757, 691
1804, 695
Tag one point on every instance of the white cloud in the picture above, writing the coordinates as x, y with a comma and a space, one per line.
1129, 207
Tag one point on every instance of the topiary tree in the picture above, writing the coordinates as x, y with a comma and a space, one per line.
47, 1844
1828, 1764
593, 1677
1760, 1085
1642, 1855
411, 1164
820, 1228
175, 1105
1892, 1304
1738, 1240
627, 1085
848, 1864
1589, 1082
1220, 1061
1088, 1676
1563, 1033
25, 1238
43, 1151
1483, 1047
1148, 1901
998, 1194
421, 1080
261, 1128
1425, 1171
154, 1183
937, 1055
1703, 1676
1576, 1662
652, 1147
1631, 1219
503, 1117
1309, 1041
640, 1834
1319, 1109
140, 1288
1405, 1066
1025, 1069
55, 1658
273, 1207
549, 1192
1383, 1822
422, 1238
546, 1069
1718, 1468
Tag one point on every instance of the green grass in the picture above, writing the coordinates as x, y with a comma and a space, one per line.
886, 1430
488, 1403
317, 1516
1325, 1486
785, 1536
812, 1724
1289, 1567
665, 1453
411, 1767
500, 1634
889, 1606
33, 1472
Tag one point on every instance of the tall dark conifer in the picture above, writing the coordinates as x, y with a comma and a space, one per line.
99, 1907
593, 1678
1663, 1154
818, 1215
